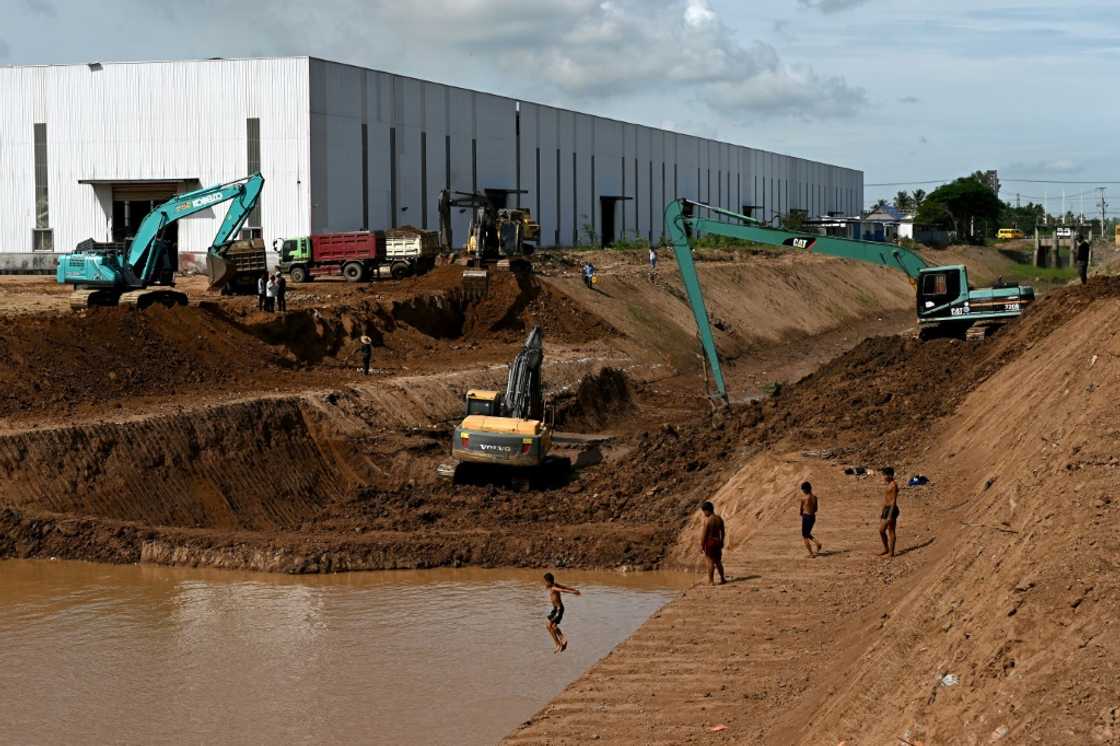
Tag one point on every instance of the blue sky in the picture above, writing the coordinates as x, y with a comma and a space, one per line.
902, 89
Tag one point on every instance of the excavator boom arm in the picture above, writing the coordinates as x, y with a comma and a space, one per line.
681, 224
524, 397
244, 193
873, 252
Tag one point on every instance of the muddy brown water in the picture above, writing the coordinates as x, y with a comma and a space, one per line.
144, 654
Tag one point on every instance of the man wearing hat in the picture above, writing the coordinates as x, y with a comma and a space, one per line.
367, 353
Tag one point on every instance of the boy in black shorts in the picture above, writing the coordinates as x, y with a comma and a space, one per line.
888, 516
557, 613
808, 518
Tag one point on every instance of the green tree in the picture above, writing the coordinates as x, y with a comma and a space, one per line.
918, 197
795, 221
1024, 218
879, 203
903, 200
966, 206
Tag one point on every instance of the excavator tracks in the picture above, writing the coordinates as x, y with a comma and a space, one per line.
82, 300
141, 299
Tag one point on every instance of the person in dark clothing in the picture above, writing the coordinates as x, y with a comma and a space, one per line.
366, 349
1083, 259
281, 292
262, 288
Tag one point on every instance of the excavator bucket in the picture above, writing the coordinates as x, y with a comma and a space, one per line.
219, 270
475, 283
235, 267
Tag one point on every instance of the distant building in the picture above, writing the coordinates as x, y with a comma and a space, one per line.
87, 150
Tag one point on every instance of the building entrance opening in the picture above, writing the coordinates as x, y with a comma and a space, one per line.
608, 212
132, 201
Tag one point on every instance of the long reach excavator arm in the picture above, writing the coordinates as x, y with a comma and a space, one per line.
945, 302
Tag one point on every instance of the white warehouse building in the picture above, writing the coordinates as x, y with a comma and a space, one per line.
85, 151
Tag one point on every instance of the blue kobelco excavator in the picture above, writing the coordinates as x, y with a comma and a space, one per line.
946, 304
143, 273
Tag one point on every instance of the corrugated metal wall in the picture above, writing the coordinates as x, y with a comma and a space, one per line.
177, 120
564, 160
157, 121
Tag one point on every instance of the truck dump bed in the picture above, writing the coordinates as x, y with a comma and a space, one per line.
340, 247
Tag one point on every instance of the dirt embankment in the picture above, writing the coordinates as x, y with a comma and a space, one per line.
115, 360
992, 624
134, 413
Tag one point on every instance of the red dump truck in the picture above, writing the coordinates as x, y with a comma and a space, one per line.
359, 255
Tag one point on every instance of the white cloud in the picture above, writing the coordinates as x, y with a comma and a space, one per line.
613, 48
698, 14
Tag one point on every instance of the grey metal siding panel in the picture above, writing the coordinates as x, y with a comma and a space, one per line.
311, 114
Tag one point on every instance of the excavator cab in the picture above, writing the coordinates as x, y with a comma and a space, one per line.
506, 429
483, 402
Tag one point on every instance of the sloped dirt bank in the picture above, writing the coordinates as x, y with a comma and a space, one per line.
993, 622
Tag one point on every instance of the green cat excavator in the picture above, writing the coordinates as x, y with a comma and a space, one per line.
946, 305
143, 273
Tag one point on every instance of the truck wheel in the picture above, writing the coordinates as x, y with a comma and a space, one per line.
400, 270
298, 274
353, 272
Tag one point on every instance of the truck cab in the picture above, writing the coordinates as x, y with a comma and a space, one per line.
945, 299
295, 250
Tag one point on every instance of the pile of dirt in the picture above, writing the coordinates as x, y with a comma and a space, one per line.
516, 302
54, 363
598, 401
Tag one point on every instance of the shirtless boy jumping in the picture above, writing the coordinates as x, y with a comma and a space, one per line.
808, 518
557, 612
888, 517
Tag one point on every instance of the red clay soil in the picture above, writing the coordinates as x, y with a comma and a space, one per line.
83, 364
874, 404
871, 406
597, 404
55, 363
516, 302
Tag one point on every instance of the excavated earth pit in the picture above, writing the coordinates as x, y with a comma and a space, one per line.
221, 435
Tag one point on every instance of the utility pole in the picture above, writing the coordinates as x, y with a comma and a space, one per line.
1017, 205
1104, 208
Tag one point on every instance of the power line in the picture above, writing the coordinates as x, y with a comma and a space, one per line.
1002, 180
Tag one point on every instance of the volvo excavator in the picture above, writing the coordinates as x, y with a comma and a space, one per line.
507, 428
499, 235
945, 302
143, 272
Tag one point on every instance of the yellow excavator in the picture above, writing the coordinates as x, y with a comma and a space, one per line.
507, 428
499, 235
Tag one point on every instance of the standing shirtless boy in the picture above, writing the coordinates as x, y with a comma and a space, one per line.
808, 518
888, 517
712, 538
557, 612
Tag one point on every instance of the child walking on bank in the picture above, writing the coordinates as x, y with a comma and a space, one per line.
557, 612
